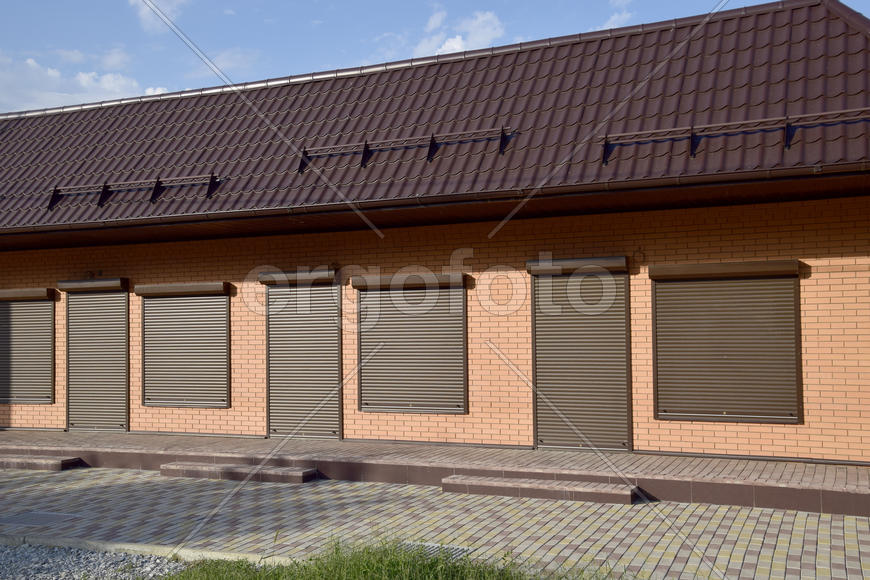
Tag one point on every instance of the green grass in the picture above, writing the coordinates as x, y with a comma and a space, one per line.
383, 561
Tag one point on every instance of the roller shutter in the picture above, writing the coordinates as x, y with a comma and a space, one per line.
727, 349
412, 349
185, 350
97, 335
581, 359
27, 352
304, 360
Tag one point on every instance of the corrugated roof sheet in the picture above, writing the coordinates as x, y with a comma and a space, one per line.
698, 96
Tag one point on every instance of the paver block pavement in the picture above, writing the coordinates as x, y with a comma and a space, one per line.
652, 540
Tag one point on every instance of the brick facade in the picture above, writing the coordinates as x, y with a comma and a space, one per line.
831, 237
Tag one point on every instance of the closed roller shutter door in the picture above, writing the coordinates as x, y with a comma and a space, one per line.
304, 361
727, 349
27, 352
581, 361
413, 360
97, 360
186, 351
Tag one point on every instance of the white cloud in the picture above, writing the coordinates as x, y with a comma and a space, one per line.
429, 45
232, 60
149, 91
229, 12
149, 20
616, 20
35, 67
115, 59
108, 83
74, 55
235, 58
29, 85
480, 30
452, 44
436, 21
389, 46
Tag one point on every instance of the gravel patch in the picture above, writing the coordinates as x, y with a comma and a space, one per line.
42, 562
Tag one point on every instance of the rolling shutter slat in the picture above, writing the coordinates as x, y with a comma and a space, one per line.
27, 352
97, 355
304, 361
186, 351
413, 360
581, 362
727, 348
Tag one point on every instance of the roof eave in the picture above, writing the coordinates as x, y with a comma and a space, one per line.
635, 195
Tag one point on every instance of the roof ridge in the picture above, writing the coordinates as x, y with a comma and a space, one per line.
838, 8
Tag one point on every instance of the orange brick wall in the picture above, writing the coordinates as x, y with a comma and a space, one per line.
832, 237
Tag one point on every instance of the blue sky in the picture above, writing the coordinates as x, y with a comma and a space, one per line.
59, 52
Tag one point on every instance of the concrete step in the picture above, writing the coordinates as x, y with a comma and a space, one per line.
540, 488
237, 472
39, 462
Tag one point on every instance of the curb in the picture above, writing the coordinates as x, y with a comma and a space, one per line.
184, 554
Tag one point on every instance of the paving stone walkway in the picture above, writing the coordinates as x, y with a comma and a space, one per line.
662, 540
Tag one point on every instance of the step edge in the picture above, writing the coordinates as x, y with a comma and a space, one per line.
507, 482
249, 467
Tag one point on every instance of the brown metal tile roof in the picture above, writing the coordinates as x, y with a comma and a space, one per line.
674, 100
